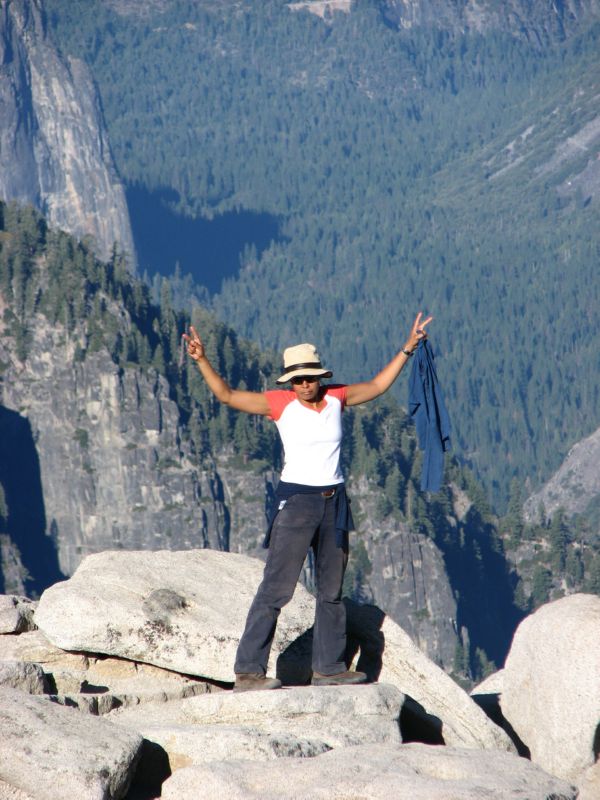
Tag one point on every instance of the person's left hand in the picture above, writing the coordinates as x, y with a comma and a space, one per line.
417, 332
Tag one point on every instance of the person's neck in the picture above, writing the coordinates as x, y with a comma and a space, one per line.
317, 402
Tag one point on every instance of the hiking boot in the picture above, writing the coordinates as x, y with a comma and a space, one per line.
341, 679
254, 681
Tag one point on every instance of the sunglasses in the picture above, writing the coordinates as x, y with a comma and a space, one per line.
299, 379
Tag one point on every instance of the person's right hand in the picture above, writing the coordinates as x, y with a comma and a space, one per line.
195, 347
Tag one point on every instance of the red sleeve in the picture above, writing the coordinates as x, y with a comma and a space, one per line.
339, 391
278, 399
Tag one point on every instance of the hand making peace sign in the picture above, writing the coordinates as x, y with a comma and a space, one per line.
195, 347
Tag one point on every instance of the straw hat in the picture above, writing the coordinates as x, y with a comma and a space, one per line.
302, 359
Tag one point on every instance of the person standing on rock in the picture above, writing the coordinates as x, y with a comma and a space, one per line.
312, 510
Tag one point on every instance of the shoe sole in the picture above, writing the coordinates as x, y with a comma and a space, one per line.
325, 682
256, 688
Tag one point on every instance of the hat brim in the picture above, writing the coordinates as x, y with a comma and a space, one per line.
318, 373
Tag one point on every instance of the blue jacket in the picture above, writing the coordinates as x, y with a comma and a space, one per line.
426, 405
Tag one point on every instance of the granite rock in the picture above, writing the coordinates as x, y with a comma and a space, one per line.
53, 753
551, 684
375, 771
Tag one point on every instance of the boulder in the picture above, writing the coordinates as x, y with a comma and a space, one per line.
437, 709
589, 783
95, 683
461, 722
374, 771
183, 611
487, 696
16, 613
551, 684
493, 684
22, 675
186, 745
53, 753
34, 646
8, 792
264, 725
161, 608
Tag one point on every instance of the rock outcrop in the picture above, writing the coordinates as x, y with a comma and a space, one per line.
296, 722
162, 608
91, 682
574, 487
174, 735
180, 610
377, 772
102, 460
551, 685
537, 23
22, 675
52, 752
54, 152
16, 614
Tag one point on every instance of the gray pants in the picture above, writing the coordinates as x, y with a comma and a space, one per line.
306, 520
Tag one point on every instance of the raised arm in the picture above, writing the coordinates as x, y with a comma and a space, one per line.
357, 393
250, 402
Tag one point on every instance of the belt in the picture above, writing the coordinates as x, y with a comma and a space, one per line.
328, 493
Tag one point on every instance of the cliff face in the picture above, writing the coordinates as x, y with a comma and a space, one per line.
408, 577
535, 22
574, 487
93, 459
54, 152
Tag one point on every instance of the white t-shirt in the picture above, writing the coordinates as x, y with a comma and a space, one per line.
311, 439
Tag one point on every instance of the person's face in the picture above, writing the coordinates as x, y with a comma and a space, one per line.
306, 387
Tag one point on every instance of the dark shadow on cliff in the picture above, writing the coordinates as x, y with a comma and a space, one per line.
483, 585
207, 249
26, 521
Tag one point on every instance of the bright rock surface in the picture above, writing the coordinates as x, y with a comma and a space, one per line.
264, 725
462, 722
376, 772
8, 792
54, 150
98, 683
183, 610
551, 684
55, 753
22, 675
589, 783
388, 654
493, 684
16, 613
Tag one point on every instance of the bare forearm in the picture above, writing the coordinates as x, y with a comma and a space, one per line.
384, 379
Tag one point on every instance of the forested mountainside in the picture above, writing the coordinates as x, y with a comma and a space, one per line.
109, 440
324, 177
538, 23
